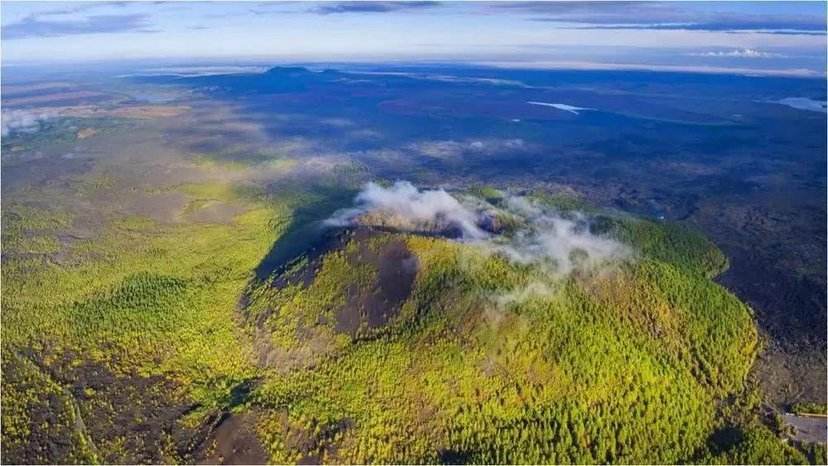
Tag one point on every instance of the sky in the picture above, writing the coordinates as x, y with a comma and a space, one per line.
787, 38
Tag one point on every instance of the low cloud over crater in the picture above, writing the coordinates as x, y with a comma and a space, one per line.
521, 229
404, 207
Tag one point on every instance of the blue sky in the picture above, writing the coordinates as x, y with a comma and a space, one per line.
743, 37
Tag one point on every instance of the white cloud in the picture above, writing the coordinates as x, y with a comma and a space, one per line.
560, 244
403, 206
196, 71
24, 121
451, 149
519, 295
737, 53
556, 243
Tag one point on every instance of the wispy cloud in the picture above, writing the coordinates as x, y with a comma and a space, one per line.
24, 121
38, 26
404, 207
738, 53
671, 16
763, 28
594, 65
555, 242
370, 7
448, 149
593, 12
80, 7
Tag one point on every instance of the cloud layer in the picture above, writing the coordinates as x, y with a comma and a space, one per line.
34, 26
738, 53
571, 34
685, 16
561, 244
24, 121
557, 243
402, 206
448, 149
370, 7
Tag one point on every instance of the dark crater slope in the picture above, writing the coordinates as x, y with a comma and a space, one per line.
368, 305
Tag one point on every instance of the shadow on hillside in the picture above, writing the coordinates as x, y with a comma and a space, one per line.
306, 231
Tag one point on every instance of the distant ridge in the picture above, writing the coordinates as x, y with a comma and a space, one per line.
288, 69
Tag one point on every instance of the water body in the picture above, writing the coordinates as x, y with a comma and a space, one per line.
803, 103
563, 107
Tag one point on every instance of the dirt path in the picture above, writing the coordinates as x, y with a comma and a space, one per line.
808, 428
